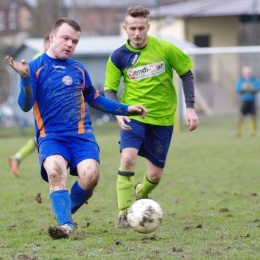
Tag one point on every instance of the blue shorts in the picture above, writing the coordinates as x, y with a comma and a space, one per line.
151, 141
74, 148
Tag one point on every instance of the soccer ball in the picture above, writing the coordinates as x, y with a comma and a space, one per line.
145, 215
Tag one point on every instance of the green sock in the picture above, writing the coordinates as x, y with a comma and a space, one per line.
240, 128
146, 187
24, 151
252, 127
125, 185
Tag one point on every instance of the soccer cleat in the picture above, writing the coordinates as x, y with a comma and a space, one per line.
136, 192
14, 166
122, 222
61, 232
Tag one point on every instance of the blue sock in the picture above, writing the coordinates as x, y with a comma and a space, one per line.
61, 206
78, 197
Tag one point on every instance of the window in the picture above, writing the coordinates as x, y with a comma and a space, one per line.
2, 21
12, 19
202, 40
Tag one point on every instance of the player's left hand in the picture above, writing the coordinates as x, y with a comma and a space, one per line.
137, 110
22, 68
191, 119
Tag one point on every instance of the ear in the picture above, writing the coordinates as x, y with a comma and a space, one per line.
51, 35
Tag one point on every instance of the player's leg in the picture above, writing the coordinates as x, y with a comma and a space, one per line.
84, 164
125, 184
150, 181
252, 124
82, 190
243, 111
54, 160
23, 152
155, 150
130, 143
56, 168
26, 149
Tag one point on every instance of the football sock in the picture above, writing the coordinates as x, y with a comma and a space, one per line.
24, 151
78, 196
252, 127
125, 185
240, 128
61, 207
146, 187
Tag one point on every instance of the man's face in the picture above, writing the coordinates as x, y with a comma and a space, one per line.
136, 29
63, 42
247, 72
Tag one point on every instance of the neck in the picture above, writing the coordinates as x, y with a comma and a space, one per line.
137, 46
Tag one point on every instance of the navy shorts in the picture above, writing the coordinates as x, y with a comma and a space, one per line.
74, 148
248, 108
151, 141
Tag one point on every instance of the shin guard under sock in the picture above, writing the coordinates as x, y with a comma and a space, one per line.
146, 187
61, 207
125, 185
78, 196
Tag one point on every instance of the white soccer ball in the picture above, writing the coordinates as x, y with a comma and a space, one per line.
145, 216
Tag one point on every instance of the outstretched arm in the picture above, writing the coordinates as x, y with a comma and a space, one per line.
106, 105
22, 68
25, 99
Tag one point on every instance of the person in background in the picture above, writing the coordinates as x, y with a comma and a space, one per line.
58, 88
30, 146
146, 65
247, 87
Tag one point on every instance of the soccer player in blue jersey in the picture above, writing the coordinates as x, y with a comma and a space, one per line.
57, 87
247, 87
31, 144
146, 65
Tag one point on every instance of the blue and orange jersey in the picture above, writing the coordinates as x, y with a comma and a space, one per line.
58, 91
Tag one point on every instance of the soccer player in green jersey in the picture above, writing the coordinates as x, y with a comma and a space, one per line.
146, 65
30, 146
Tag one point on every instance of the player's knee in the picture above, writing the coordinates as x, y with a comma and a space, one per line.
90, 179
93, 179
155, 176
57, 178
128, 161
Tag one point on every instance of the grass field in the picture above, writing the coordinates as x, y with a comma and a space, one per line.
209, 194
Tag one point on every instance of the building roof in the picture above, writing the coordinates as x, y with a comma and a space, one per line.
100, 45
100, 3
205, 8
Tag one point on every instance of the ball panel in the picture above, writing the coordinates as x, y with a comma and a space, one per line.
145, 216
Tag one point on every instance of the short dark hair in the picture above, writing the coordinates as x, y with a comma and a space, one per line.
70, 22
138, 11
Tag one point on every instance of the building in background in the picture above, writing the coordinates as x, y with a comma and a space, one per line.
204, 23
15, 21
214, 24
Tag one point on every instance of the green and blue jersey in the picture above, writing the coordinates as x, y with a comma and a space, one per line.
148, 77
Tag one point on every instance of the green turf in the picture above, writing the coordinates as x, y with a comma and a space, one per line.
209, 194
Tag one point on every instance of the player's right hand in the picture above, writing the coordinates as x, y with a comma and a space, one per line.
137, 110
22, 68
122, 122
